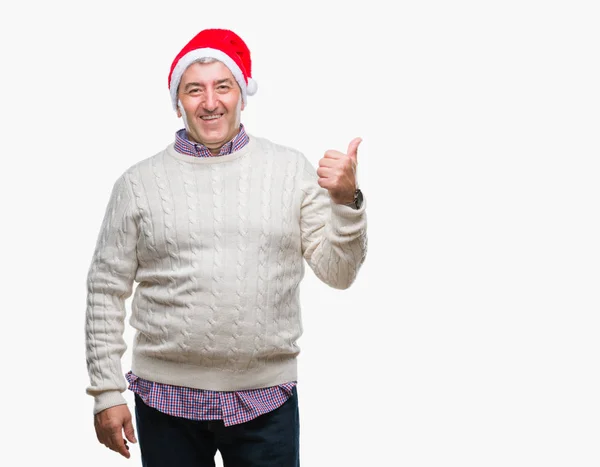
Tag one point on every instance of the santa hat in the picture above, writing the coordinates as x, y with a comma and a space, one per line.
223, 45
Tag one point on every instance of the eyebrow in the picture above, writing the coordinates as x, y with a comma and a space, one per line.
217, 82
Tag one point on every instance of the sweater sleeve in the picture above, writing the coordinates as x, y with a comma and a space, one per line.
334, 236
109, 284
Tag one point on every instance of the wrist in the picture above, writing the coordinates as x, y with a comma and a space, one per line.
355, 202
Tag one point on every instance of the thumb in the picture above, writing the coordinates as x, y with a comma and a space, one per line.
353, 147
129, 431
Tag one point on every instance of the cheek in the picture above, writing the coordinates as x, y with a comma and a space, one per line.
233, 103
188, 106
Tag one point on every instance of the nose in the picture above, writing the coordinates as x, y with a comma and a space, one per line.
211, 100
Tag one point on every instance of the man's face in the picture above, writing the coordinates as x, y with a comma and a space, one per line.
212, 104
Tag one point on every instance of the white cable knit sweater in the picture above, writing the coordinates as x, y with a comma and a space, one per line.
216, 247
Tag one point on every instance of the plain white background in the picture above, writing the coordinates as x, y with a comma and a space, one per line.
470, 338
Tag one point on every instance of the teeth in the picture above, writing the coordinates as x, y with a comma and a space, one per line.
210, 117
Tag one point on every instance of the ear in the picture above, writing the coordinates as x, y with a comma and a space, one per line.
179, 107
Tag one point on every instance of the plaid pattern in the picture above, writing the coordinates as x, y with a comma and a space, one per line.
200, 404
184, 146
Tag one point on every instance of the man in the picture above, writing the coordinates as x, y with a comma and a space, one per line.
214, 229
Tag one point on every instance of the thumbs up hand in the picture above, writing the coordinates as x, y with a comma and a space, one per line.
337, 173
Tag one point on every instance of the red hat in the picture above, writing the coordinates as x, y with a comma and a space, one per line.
223, 45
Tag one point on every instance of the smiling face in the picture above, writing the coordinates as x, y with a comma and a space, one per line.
210, 102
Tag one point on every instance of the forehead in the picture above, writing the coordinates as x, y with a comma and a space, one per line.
206, 72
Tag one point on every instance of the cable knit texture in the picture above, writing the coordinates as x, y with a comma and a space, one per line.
215, 246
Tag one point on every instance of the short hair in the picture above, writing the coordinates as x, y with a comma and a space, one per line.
200, 60
204, 60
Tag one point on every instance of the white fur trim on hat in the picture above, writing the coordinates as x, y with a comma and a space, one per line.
252, 87
195, 55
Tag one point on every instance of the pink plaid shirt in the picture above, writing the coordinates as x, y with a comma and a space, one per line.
201, 404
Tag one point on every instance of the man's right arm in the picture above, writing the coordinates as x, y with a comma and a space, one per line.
110, 283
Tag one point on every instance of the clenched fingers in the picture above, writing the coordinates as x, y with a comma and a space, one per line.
119, 444
110, 424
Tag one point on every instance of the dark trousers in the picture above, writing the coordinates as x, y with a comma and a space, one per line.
271, 440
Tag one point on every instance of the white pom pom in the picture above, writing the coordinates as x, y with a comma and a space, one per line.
252, 87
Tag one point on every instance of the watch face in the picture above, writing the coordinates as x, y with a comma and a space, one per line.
359, 199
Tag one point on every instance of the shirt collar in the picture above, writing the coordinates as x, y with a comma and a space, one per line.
184, 146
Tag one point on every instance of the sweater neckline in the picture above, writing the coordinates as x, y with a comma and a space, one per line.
214, 159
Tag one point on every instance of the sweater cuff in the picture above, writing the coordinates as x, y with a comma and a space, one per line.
346, 219
108, 399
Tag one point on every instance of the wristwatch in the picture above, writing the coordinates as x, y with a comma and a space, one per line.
358, 200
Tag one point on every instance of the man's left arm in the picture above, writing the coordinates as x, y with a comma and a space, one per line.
334, 234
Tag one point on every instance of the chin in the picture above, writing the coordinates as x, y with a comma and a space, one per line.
213, 139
